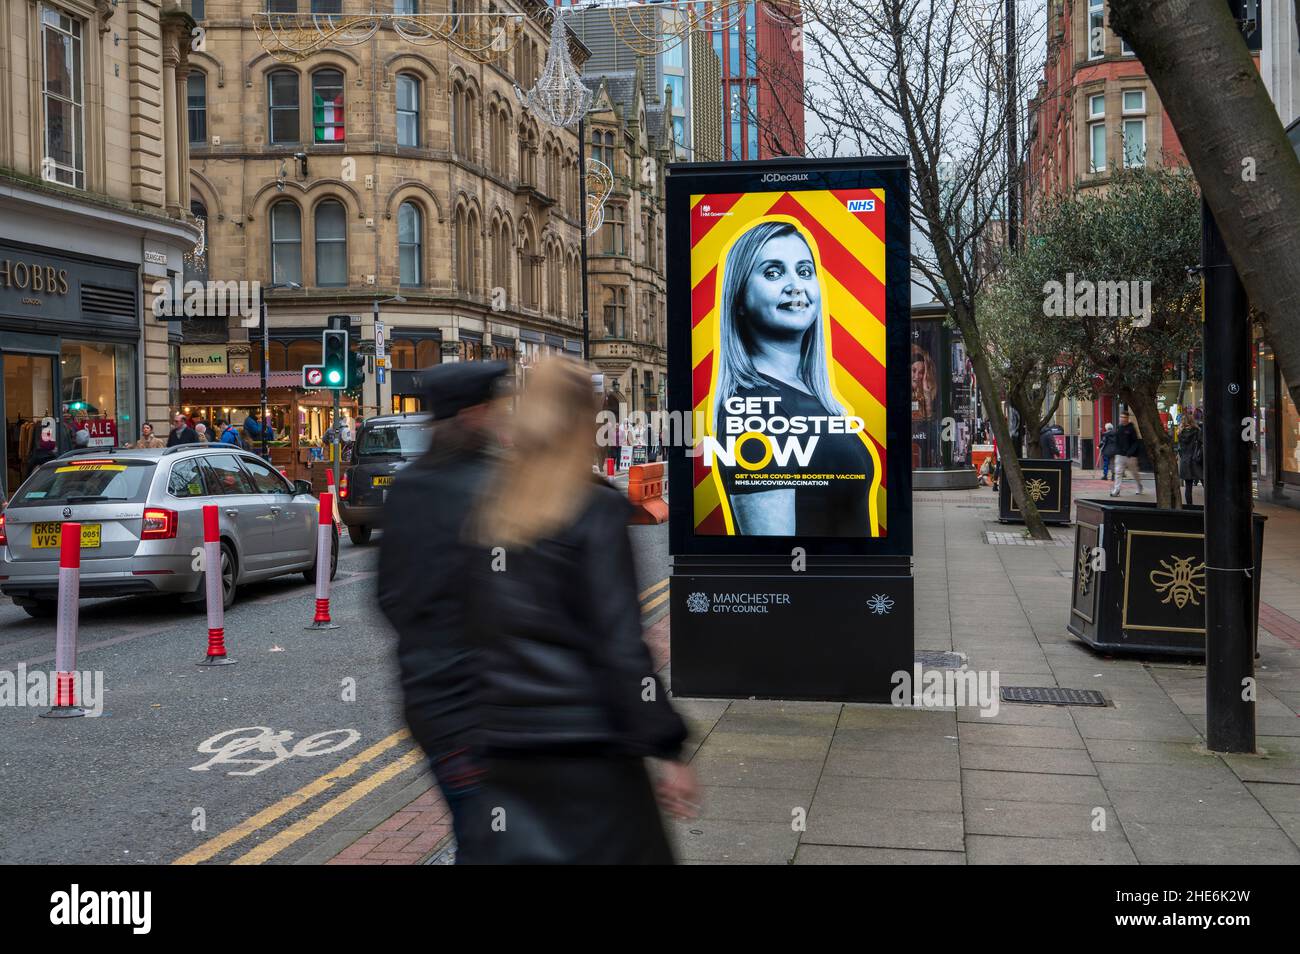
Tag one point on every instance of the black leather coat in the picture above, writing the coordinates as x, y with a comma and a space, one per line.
423, 582
564, 668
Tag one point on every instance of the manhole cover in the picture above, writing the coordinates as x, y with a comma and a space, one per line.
1050, 696
938, 659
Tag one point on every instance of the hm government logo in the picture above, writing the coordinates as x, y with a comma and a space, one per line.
698, 603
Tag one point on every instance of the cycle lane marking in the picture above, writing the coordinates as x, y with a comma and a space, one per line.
346, 799
214, 846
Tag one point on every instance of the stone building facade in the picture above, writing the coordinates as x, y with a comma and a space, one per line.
387, 169
625, 260
93, 212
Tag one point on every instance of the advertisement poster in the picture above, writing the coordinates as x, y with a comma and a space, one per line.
788, 355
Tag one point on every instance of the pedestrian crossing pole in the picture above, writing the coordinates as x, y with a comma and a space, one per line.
1229, 523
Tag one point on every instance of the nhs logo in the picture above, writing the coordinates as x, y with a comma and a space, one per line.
861, 205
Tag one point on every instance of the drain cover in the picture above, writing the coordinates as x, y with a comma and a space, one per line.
1050, 696
938, 659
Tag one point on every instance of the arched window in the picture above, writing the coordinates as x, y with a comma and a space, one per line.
327, 106
616, 312
529, 274
575, 287
501, 258
408, 110
196, 263
196, 101
410, 244
299, 353
462, 120
286, 243
466, 237
331, 243
401, 352
553, 280
282, 102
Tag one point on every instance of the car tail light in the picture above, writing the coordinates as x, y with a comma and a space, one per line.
159, 524
4, 536
343, 487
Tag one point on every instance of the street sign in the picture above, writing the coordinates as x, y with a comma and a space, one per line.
313, 376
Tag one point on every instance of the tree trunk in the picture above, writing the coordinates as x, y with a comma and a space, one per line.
1031, 421
1227, 125
1010, 457
1159, 445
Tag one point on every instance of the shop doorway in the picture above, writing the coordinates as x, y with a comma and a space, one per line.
31, 413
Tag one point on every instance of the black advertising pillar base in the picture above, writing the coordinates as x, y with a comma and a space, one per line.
835, 632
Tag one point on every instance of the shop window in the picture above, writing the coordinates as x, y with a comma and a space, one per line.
99, 390
331, 244
282, 103
410, 241
62, 99
401, 353
196, 98
286, 243
327, 106
428, 352
408, 110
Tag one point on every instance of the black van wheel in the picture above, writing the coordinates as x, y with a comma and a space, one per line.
359, 535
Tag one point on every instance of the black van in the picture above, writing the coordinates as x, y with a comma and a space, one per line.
384, 445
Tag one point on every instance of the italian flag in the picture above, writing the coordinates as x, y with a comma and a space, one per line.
329, 119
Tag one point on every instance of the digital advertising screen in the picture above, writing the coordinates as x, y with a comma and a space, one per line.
786, 339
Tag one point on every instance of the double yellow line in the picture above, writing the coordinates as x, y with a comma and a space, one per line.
649, 598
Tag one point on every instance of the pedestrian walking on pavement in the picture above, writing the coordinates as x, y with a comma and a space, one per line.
1107, 450
423, 581
148, 438
1126, 451
181, 432
1191, 456
571, 707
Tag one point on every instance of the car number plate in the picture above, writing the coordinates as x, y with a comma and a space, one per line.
45, 536
381, 481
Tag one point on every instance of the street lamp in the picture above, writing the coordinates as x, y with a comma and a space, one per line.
266, 360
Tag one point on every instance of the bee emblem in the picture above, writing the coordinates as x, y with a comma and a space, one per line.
1180, 582
1037, 488
1083, 570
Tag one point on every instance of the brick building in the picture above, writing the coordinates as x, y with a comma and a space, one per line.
93, 211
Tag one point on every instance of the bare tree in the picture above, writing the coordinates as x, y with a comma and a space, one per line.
1248, 172
925, 79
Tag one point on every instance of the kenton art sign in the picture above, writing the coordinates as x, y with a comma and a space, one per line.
202, 359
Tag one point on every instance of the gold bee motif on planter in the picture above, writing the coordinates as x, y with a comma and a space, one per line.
1037, 488
1182, 582
1084, 571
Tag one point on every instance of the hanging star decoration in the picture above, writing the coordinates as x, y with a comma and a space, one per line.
559, 96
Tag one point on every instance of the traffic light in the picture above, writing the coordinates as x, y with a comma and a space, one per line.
357, 371
334, 359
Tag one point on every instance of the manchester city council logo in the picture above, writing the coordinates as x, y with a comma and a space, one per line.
698, 603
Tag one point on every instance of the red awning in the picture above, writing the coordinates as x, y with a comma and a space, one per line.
241, 382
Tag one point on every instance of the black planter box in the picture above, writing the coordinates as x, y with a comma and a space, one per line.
1048, 483
1151, 596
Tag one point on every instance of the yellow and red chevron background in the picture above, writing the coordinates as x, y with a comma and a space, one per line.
850, 251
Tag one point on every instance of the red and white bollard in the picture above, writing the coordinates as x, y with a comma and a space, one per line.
324, 545
609, 467
65, 639
334, 496
215, 591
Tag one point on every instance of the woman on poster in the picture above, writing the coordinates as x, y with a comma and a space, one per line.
772, 346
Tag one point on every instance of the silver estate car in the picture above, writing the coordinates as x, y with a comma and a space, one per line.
141, 516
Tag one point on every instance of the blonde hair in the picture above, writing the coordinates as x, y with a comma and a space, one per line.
545, 477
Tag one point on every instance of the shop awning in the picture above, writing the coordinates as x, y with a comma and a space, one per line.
241, 382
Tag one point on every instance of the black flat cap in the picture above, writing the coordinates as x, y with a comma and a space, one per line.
450, 388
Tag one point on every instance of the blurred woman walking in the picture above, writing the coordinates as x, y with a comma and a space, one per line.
569, 704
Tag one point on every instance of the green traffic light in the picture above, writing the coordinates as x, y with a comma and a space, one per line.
335, 377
